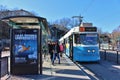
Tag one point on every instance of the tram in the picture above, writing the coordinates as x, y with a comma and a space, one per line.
81, 44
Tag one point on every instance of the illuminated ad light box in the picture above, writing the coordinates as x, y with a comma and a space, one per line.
24, 54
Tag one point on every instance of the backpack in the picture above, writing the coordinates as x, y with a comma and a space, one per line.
61, 47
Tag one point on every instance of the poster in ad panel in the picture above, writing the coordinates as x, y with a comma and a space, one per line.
25, 48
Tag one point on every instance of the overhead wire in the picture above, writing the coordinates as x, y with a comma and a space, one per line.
88, 7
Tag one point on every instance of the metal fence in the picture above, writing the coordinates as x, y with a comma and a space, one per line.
110, 55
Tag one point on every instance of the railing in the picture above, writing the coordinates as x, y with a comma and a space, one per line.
110, 55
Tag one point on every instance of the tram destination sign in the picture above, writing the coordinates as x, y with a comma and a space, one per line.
88, 29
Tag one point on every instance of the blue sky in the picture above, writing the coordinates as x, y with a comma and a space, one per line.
104, 14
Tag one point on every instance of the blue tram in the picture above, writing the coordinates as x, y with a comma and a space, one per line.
81, 44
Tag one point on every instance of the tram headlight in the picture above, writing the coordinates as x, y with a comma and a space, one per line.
88, 50
93, 50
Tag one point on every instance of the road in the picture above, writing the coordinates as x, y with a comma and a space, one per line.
106, 69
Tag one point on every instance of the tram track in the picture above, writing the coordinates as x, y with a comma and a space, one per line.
88, 72
103, 70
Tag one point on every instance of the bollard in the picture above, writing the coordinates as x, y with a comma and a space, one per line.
105, 55
117, 58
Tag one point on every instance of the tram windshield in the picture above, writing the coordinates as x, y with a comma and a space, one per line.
86, 39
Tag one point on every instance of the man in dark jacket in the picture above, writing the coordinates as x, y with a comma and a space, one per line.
56, 53
50, 46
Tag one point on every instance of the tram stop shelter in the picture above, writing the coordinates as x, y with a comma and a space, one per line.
27, 34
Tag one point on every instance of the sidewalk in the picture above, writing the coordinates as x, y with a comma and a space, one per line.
67, 70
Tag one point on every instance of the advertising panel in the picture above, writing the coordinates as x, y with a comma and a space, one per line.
25, 46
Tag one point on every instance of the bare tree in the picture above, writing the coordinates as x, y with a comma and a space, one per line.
99, 31
73, 23
115, 36
3, 8
67, 22
63, 22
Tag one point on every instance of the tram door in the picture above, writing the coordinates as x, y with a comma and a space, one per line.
64, 46
71, 46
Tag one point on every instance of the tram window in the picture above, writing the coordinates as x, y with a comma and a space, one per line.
89, 39
77, 39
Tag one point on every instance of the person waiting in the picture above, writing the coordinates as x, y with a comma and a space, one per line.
56, 53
